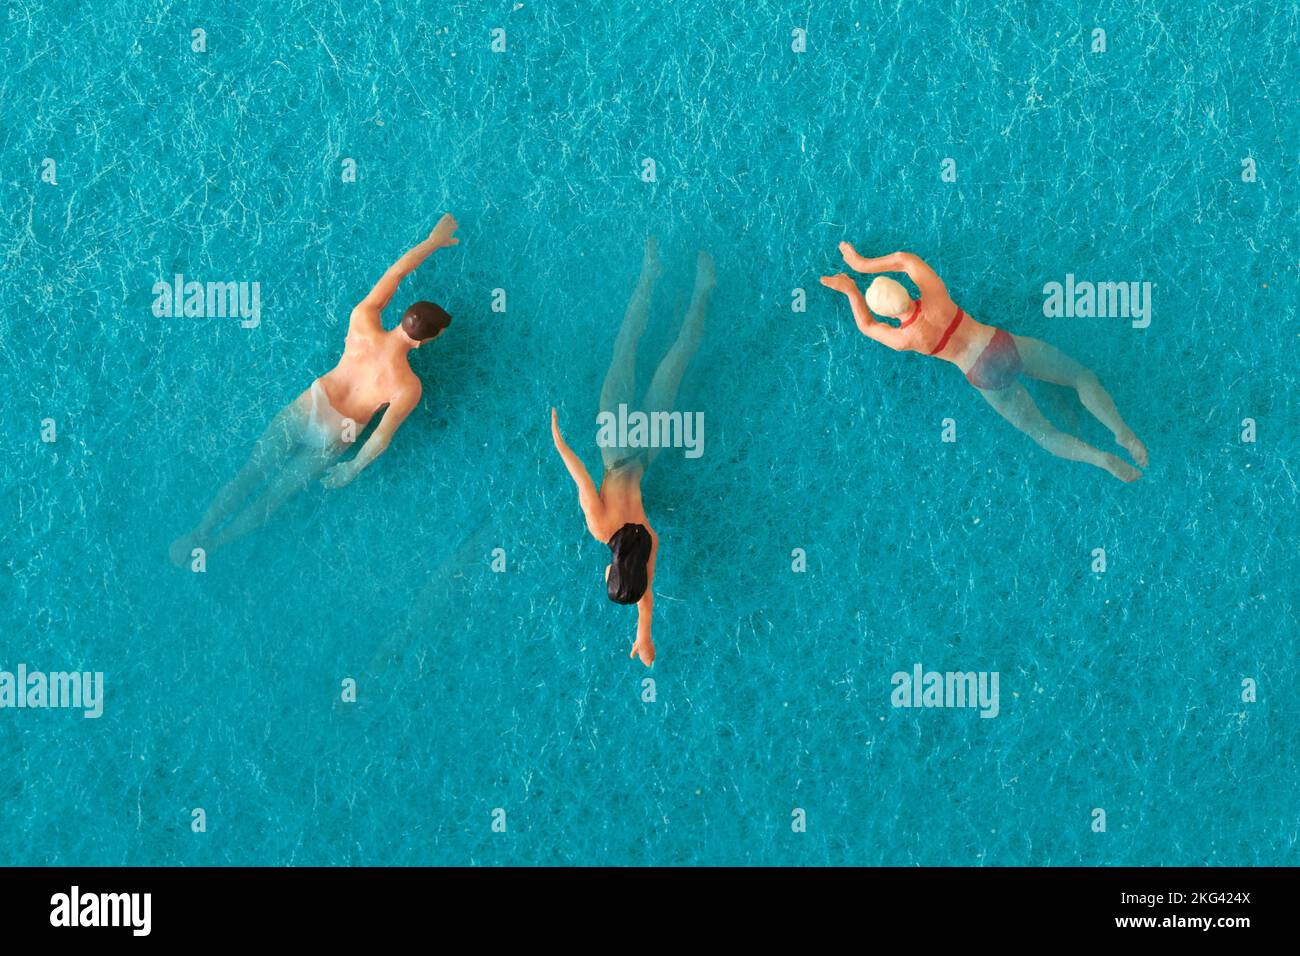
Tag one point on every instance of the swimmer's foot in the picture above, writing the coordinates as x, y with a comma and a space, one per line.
182, 549
1137, 451
651, 267
706, 277
1120, 468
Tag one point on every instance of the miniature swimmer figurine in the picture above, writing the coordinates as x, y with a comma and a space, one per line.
615, 514
308, 435
992, 358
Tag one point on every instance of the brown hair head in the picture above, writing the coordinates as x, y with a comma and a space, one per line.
424, 320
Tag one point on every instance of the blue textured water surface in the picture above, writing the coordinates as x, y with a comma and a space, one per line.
1120, 691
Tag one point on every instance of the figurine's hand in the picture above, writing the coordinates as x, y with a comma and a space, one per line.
339, 476
839, 282
851, 257
442, 233
644, 650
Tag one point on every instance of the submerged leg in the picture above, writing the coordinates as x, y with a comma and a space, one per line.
1050, 364
306, 466
1015, 404
662, 394
271, 452
620, 381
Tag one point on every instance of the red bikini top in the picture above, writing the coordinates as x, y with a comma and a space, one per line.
916, 310
952, 326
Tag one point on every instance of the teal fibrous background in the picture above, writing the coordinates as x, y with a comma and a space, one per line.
479, 690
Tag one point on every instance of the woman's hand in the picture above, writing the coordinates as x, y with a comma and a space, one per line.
644, 649
840, 283
442, 233
555, 429
851, 257
890, 263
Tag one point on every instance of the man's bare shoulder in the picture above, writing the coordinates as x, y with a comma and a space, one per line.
408, 385
366, 316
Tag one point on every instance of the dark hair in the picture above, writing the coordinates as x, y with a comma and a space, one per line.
630, 548
424, 320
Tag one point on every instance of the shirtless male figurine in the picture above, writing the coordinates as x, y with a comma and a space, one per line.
308, 436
